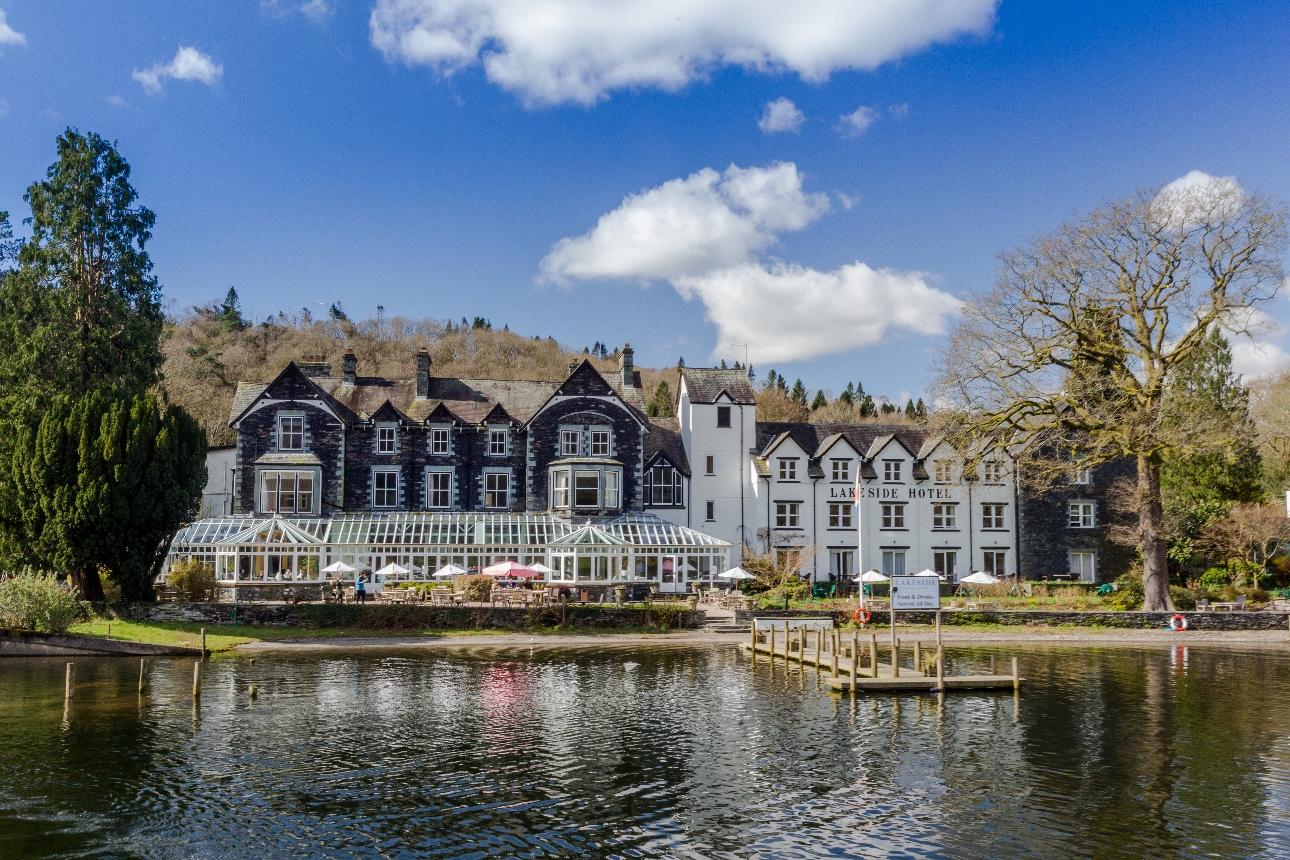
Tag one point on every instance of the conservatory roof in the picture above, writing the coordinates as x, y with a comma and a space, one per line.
443, 529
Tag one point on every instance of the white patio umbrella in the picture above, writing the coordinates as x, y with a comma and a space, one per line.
448, 571
541, 568
928, 572
869, 576
338, 567
980, 578
736, 573
392, 569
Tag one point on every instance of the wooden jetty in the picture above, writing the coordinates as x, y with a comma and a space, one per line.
854, 665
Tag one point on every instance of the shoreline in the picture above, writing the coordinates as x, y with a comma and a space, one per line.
949, 636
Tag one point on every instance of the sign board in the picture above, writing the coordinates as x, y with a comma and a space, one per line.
915, 592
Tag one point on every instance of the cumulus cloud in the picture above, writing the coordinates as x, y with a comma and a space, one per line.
8, 35
781, 115
1254, 358
553, 51
704, 235
189, 64
703, 222
857, 122
1198, 195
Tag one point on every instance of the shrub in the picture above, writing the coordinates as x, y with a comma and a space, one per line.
477, 588
193, 579
1128, 591
34, 602
111, 589
1182, 597
1215, 578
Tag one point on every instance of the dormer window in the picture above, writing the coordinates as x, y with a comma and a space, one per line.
385, 440
788, 469
943, 471
600, 443
841, 470
723, 416
891, 471
569, 443
440, 441
291, 433
992, 472
497, 443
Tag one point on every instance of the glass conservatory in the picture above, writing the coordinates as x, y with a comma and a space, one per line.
634, 548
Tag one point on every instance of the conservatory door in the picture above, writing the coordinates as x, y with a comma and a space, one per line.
671, 575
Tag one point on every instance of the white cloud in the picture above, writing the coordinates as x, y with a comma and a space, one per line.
189, 64
552, 51
704, 222
791, 312
781, 115
117, 101
8, 35
857, 122
314, 10
1196, 196
1251, 358
704, 234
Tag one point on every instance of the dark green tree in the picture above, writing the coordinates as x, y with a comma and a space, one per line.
103, 482
920, 410
82, 311
819, 401
660, 405
910, 412
337, 312
868, 408
798, 394
230, 313
848, 394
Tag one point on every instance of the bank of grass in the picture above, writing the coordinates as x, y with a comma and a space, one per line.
225, 637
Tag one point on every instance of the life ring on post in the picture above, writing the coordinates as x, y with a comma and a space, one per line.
862, 615
1177, 623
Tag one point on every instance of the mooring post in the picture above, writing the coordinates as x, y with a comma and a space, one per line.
895, 657
833, 658
69, 682
109, 633
753, 627
855, 669
203, 643
938, 627
918, 657
855, 644
786, 636
1016, 677
142, 677
873, 654
197, 679
994, 666
770, 642
940, 670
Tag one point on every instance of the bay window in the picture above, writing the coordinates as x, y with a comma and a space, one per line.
586, 489
286, 492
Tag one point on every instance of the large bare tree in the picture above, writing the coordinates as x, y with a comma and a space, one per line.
1074, 347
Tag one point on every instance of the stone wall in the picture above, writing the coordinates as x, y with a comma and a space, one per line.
1042, 618
409, 617
25, 643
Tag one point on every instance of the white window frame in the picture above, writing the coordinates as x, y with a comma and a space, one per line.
583, 473
840, 515
943, 471
295, 435
440, 445
788, 468
264, 506
711, 510
992, 472
842, 470
893, 562
946, 563
1083, 476
377, 492
560, 489
1078, 561
891, 471
945, 516
990, 562
893, 515
570, 443
602, 443
660, 493
494, 435
993, 516
432, 476
381, 438
613, 489
788, 515
1081, 514
490, 492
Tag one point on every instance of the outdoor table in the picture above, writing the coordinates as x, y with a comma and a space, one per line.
1230, 607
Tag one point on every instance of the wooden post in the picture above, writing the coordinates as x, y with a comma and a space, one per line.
938, 628
770, 642
754, 637
895, 657
786, 635
855, 669
873, 654
940, 669
918, 657
1016, 677
142, 682
197, 679
819, 648
855, 645
69, 681
833, 659
994, 665
109, 633
203, 643
255, 691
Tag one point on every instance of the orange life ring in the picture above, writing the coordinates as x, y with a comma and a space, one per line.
1178, 622
862, 615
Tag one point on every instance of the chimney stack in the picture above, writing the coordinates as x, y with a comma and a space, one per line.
625, 366
423, 374
351, 367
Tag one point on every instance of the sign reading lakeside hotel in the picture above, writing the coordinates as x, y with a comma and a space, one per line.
915, 592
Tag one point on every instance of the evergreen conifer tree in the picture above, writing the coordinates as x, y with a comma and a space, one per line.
819, 401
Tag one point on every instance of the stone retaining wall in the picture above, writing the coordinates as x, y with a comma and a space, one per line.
417, 616
24, 643
1045, 618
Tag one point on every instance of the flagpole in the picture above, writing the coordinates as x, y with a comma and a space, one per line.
859, 497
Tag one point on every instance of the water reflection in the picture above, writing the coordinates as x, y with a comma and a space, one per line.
692, 752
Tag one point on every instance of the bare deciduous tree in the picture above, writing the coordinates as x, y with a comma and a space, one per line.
1075, 344
1252, 533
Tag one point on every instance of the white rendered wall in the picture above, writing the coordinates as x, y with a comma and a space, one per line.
727, 486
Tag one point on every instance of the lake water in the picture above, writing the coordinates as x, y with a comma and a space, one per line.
693, 753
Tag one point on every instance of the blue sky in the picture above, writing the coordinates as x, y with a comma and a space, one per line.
433, 156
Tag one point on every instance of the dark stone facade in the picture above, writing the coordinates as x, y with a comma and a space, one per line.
341, 446
1045, 534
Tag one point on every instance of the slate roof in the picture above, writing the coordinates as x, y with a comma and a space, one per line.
812, 437
468, 400
665, 437
705, 385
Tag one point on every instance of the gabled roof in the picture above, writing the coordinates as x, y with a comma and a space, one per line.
664, 440
585, 381
589, 535
861, 437
780, 440
273, 531
290, 385
705, 385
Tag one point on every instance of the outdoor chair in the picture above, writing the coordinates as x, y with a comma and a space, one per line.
1240, 603
1202, 605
